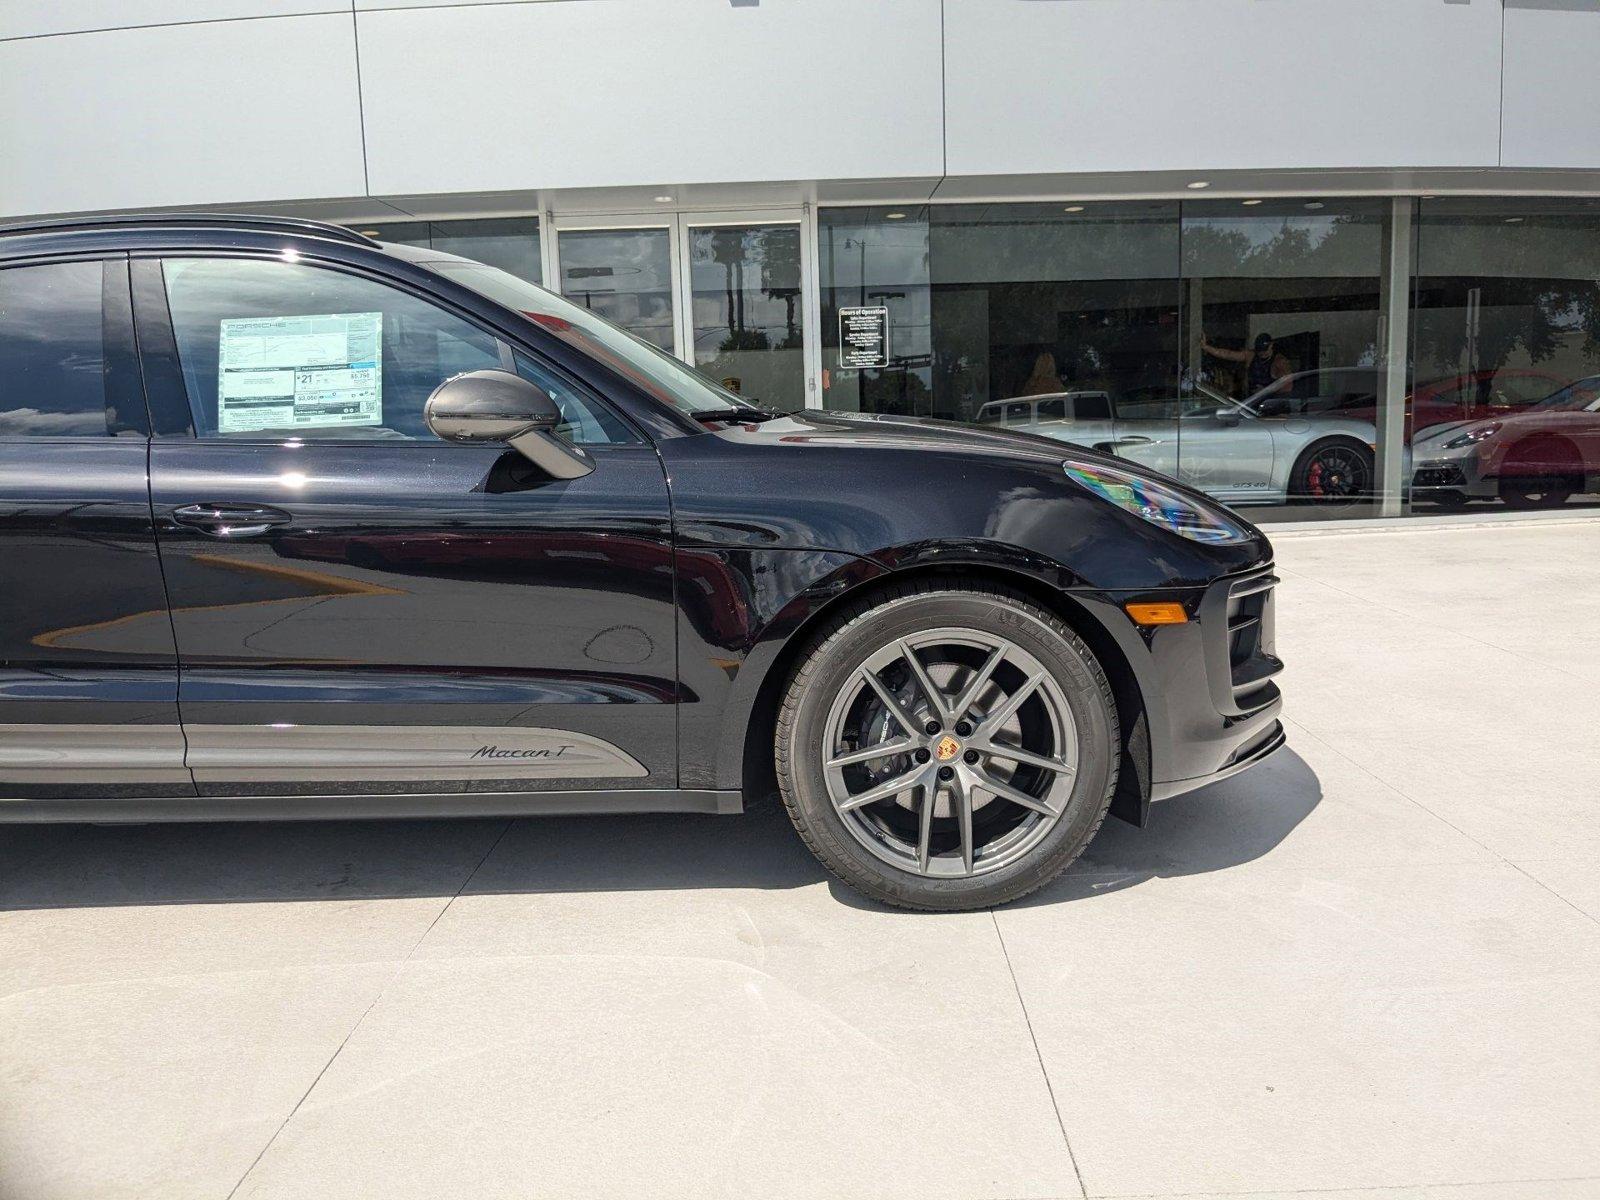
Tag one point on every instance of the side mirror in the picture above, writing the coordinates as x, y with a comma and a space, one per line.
497, 406
1227, 416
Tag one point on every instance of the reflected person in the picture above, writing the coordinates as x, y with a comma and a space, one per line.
1045, 378
1265, 365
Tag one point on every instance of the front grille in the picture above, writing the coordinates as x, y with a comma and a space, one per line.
1251, 661
1450, 476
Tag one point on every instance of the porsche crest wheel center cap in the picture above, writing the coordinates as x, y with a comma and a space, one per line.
946, 748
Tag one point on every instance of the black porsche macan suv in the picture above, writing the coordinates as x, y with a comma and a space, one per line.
295, 524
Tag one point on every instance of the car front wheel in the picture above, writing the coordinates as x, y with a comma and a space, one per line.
947, 747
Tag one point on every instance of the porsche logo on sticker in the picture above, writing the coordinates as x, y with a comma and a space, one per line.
947, 748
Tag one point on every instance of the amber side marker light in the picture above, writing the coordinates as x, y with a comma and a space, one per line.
1165, 613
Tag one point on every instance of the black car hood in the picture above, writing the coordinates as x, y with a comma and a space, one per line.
881, 431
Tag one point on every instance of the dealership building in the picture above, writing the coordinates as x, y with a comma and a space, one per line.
1322, 258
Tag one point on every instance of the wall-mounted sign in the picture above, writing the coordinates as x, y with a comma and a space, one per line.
863, 338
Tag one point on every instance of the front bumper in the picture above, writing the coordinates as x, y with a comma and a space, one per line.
1446, 472
1207, 686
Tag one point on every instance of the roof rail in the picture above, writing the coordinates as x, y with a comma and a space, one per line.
265, 224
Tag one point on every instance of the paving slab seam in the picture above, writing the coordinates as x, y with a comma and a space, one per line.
1034, 1038
1575, 907
399, 966
1369, 1190
1399, 791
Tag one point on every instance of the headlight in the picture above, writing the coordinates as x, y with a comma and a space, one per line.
1472, 437
1158, 504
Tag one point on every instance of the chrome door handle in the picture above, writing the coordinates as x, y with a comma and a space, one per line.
230, 520
1131, 441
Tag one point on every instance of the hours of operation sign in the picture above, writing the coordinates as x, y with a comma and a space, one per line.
863, 338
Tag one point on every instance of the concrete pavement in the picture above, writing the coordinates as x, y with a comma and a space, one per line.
1368, 969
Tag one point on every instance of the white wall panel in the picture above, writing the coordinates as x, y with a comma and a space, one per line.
589, 94
1551, 116
35, 18
376, 4
1117, 85
180, 115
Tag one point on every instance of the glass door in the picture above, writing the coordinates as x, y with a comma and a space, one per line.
731, 294
624, 273
743, 301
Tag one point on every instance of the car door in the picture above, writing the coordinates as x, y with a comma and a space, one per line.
1145, 431
362, 608
88, 671
1225, 448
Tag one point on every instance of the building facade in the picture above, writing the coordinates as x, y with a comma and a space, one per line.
1322, 258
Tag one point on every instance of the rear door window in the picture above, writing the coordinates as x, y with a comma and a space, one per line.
53, 353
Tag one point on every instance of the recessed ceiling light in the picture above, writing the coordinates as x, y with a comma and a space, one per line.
894, 216
1427, 196
663, 199
1313, 203
1513, 220
1198, 184
368, 232
1249, 202
1073, 208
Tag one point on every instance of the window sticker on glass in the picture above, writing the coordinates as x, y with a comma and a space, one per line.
320, 371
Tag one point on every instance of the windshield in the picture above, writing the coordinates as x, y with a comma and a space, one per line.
1205, 400
656, 371
1584, 394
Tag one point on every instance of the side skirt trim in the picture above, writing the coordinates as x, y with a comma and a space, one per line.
140, 809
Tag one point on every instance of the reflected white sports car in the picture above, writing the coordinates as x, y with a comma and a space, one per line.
1292, 440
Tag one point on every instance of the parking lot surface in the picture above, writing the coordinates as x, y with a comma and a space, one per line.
1370, 967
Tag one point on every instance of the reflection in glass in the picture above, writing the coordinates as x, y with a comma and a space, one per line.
989, 304
745, 286
1506, 350
1281, 353
510, 243
623, 275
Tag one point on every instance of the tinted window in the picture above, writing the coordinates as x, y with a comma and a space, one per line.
52, 361
1052, 410
270, 349
1092, 406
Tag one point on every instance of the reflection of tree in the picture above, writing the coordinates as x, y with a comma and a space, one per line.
1306, 265
744, 339
774, 252
1476, 323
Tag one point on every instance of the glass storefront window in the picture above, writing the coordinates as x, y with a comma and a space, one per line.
744, 286
510, 243
1282, 376
1234, 345
989, 304
1505, 347
623, 275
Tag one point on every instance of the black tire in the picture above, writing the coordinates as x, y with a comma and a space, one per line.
1354, 482
1540, 473
1536, 491
832, 663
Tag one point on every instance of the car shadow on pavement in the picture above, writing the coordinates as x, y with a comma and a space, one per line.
80, 866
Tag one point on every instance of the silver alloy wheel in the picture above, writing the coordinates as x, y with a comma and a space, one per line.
950, 753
